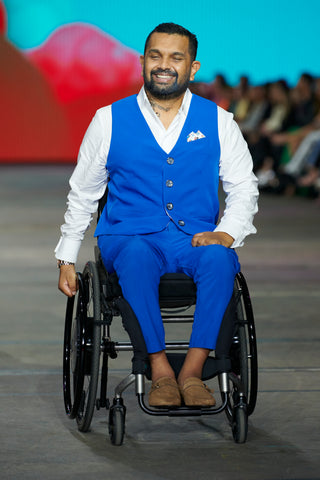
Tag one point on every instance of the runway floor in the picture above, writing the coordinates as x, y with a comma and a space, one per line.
38, 441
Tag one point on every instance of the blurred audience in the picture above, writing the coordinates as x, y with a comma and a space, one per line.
281, 126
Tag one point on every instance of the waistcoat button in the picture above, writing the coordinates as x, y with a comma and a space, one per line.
170, 160
181, 223
169, 206
169, 183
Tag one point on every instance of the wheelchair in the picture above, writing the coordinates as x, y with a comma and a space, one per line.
88, 345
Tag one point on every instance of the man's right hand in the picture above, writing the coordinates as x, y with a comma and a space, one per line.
68, 280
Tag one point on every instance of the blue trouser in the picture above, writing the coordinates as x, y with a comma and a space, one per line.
140, 261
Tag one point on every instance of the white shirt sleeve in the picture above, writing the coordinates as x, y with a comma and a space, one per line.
88, 184
238, 181
89, 179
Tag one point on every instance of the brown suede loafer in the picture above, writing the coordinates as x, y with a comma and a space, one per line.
196, 394
165, 393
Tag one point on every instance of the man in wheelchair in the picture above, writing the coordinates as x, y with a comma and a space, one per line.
162, 154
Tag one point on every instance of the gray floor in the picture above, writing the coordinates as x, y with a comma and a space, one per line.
282, 267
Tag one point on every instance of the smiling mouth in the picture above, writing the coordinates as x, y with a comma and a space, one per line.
164, 73
163, 77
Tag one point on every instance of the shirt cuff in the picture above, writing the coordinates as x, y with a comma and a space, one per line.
237, 232
67, 249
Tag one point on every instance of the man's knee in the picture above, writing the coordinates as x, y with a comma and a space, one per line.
135, 249
137, 254
218, 260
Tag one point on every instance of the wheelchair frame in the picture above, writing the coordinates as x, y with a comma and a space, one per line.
87, 338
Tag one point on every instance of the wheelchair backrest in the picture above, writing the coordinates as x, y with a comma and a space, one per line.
102, 203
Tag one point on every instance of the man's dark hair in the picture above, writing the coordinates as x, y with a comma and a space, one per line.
174, 29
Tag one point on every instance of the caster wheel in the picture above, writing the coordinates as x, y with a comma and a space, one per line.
240, 424
117, 424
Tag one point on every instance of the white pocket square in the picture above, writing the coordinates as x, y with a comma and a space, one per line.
195, 136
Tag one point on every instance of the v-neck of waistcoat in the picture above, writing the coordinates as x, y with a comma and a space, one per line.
179, 140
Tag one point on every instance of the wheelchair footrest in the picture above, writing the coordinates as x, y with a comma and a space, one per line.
182, 411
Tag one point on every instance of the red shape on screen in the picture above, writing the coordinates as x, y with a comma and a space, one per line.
50, 93
33, 126
80, 60
3, 18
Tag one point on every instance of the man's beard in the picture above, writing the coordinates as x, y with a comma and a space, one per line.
165, 92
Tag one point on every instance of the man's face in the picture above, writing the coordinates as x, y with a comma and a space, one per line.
167, 65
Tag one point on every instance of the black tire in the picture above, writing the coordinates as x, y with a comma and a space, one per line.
240, 424
244, 348
117, 424
93, 346
74, 352
251, 341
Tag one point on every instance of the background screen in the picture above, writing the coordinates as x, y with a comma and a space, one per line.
63, 59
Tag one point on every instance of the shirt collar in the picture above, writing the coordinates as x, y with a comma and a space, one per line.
143, 101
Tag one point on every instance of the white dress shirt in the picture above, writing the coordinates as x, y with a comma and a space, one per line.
89, 179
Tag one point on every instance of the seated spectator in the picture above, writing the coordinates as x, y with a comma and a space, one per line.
303, 153
240, 101
303, 168
266, 155
257, 112
293, 138
280, 108
304, 101
311, 178
220, 92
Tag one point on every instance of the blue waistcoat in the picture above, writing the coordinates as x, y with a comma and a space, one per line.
147, 186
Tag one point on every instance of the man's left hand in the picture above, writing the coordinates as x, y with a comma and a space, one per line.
212, 238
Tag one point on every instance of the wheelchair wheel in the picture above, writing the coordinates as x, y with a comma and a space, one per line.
243, 353
248, 344
74, 353
82, 349
117, 417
